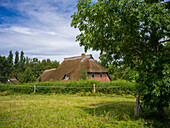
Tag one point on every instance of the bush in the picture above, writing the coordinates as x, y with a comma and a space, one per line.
86, 86
5, 93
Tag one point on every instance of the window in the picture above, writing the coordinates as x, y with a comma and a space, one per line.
82, 59
66, 77
93, 75
87, 75
101, 75
105, 75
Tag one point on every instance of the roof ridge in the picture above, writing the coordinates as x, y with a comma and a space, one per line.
50, 69
76, 57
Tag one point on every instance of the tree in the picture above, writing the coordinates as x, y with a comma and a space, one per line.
55, 64
22, 60
6, 67
135, 31
27, 76
22, 57
9, 64
2, 69
10, 60
83, 74
16, 59
23, 67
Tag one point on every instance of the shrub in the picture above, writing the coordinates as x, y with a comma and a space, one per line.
86, 86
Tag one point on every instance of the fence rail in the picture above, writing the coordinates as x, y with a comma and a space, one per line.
57, 86
67, 89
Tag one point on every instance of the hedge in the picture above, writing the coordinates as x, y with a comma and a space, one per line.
113, 87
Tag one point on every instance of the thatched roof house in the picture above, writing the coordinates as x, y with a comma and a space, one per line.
71, 69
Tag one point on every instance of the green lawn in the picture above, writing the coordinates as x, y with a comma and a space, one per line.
58, 110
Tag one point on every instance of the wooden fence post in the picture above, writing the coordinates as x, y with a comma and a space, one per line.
34, 88
136, 109
94, 89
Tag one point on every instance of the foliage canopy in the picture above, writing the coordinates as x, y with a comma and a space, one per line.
135, 31
23, 68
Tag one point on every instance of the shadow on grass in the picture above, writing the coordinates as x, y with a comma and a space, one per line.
157, 120
124, 111
119, 110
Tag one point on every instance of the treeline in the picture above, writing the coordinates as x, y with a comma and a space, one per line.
23, 68
123, 72
117, 69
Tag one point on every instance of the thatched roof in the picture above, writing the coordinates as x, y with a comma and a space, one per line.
72, 67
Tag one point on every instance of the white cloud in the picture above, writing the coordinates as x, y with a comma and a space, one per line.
51, 33
43, 30
21, 30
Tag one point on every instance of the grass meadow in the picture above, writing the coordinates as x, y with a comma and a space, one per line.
71, 111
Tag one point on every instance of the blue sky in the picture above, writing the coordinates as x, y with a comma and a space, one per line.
41, 28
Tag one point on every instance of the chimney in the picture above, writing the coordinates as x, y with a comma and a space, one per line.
83, 55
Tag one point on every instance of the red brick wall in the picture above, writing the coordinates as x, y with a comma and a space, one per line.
97, 77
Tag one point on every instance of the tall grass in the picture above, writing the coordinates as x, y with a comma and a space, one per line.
71, 111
